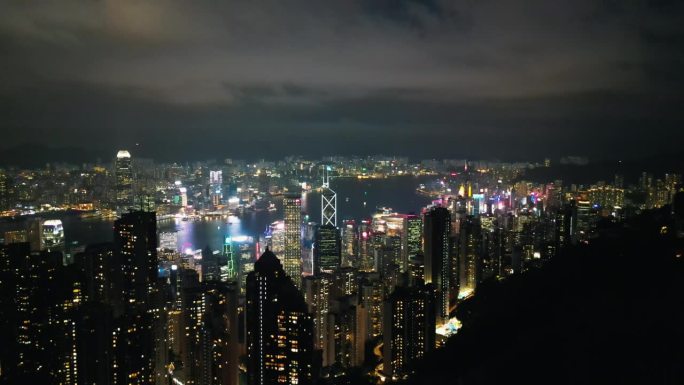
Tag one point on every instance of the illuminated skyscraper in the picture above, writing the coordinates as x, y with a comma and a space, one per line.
124, 181
292, 262
409, 328
38, 301
215, 187
53, 235
365, 261
327, 249
280, 339
469, 255
95, 264
209, 341
183, 191
349, 244
135, 256
328, 201
371, 293
416, 270
437, 227
414, 235
135, 251
584, 219
397, 231
317, 290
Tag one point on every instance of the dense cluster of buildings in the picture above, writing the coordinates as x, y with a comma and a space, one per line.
304, 303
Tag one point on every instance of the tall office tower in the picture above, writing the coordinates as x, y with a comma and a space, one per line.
436, 231
328, 201
327, 249
394, 251
350, 243
123, 170
397, 231
183, 194
53, 235
469, 255
317, 290
275, 238
135, 256
365, 261
215, 187
279, 327
585, 218
409, 328
414, 234
566, 225
292, 261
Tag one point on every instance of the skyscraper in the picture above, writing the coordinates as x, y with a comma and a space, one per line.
409, 328
216, 187
39, 299
328, 201
209, 337
317, 291
349, 244
279, 327
365, 261
292, 208
124, 181
135, 251
437, 227
327, 249
135, 256
414, 235
53, 235
469, 255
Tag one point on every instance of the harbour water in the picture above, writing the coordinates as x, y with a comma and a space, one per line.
356, 199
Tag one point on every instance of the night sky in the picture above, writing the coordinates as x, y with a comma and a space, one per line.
510, 80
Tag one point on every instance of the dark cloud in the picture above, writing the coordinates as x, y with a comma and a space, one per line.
483, 78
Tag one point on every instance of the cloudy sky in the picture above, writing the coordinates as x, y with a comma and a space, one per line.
479, 78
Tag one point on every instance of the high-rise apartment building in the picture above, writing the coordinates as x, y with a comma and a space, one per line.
280, 333
409, 328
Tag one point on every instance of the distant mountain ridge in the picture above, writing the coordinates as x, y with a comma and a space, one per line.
36, 155
606, 170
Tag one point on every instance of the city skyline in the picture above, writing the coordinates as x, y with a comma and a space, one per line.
345, 192
179, 292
